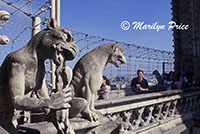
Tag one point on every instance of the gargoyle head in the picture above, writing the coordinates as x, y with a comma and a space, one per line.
60, 39
117, 55
155, 72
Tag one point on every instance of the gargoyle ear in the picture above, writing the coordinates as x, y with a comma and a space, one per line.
52, 24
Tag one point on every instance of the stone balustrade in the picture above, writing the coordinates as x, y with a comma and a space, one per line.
160, 112
153, 109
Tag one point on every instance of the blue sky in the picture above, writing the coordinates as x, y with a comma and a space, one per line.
103, 18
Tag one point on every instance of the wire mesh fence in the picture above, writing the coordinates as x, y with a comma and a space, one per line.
138, 57
18, 28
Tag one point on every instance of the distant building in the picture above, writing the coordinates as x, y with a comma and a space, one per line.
187, 42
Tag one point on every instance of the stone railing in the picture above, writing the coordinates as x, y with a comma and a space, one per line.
152, 110
160, 112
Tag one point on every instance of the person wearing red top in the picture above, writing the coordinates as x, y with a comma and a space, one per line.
139, 84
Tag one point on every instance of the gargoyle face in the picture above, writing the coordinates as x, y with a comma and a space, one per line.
117, 55
65, 44
61, 40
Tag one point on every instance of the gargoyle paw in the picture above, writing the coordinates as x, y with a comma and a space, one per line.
93, 116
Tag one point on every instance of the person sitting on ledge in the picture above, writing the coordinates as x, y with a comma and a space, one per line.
139, 84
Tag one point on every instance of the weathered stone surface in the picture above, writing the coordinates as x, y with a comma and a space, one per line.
38, 128
145, 117
158, 77
22, 83
63, 78
87, 74
112, 127
83, 124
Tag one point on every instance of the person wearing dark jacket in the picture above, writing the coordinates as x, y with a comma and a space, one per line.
139, 84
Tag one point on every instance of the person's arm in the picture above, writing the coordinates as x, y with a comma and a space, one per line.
144, 89
134, 89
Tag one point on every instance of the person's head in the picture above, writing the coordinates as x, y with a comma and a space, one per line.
105, 80
166, 77
172, 75
140, 73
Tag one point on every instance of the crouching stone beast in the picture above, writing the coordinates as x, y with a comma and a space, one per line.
87, 77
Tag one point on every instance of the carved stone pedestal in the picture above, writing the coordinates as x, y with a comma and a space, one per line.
37, 128
80, 125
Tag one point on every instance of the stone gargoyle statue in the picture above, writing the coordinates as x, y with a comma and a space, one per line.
159, 86
158, 77
22, 76
87, 78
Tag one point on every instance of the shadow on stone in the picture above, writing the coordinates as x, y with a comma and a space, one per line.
37, 128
